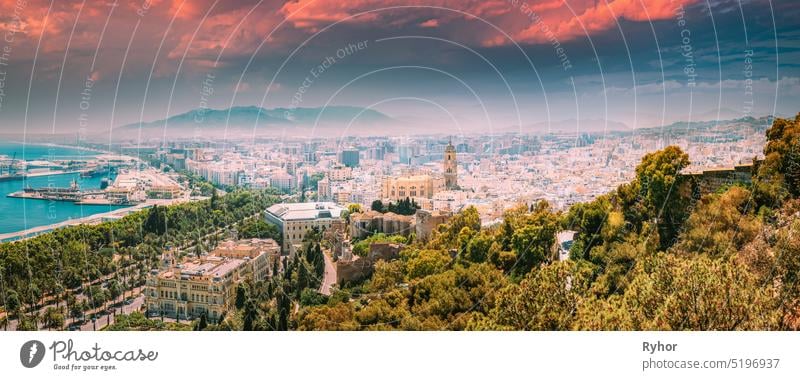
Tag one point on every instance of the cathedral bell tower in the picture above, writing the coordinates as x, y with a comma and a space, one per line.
450, 166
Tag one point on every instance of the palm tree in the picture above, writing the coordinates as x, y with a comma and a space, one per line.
53, 318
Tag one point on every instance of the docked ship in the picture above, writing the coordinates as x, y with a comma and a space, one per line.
94, 171
70, 194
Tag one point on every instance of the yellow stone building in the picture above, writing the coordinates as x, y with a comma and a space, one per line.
207, 285
414, 187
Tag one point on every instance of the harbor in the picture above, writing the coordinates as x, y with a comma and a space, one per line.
59, 186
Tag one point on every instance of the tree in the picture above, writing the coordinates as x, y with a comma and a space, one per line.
446, 235
787, 272
533, 242
405, 206
115, 289
675, 293
425, 262
250, 315
12, 302
720, 225
77, 309
302, 278
284, 304
27, 323
241, 295
354, 208
258, 228
663, 189
778, 176
53, 318
546, 299
588, 220
156, 221
477, 250
377, 205
533, 246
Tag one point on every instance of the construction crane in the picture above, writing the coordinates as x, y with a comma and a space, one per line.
11, 169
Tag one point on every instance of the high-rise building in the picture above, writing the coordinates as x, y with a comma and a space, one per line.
450, 167
349, 158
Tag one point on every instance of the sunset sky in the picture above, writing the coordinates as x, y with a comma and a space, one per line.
490, 63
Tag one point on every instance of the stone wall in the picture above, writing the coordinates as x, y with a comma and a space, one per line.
709, 180
361, 267
427, 221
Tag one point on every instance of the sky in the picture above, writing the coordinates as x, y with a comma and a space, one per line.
71, 66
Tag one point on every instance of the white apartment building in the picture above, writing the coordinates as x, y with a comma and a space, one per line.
295, 220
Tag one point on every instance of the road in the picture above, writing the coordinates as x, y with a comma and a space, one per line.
329, 279
104, 320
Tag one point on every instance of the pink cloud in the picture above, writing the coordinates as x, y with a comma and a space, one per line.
432, 23
237, 27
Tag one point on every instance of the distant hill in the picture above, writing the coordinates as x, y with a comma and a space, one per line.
571, 126
257, 120
759, 124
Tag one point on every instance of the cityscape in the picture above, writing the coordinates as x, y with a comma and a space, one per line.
364, 198
208, 179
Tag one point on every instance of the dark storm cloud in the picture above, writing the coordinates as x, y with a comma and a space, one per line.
614, 46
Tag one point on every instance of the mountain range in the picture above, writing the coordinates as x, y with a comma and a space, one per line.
254, 120
337, 121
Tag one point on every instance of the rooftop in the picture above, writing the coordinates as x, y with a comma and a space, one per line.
209, 267
306, 211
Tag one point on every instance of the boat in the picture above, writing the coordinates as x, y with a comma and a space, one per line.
93, 172
12, 177
71, 193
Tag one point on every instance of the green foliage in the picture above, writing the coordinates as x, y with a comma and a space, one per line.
478, 248
260, 229
446, 235
533, 243
424, 262
778, 176
53, 318
588, 219
406, 206
664, 191
546, 299
136, 321
672, 293
361, 247
241, 296
310, 297
721, 225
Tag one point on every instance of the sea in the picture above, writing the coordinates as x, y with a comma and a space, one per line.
17, 214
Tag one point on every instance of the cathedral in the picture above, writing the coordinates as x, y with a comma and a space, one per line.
450, 167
